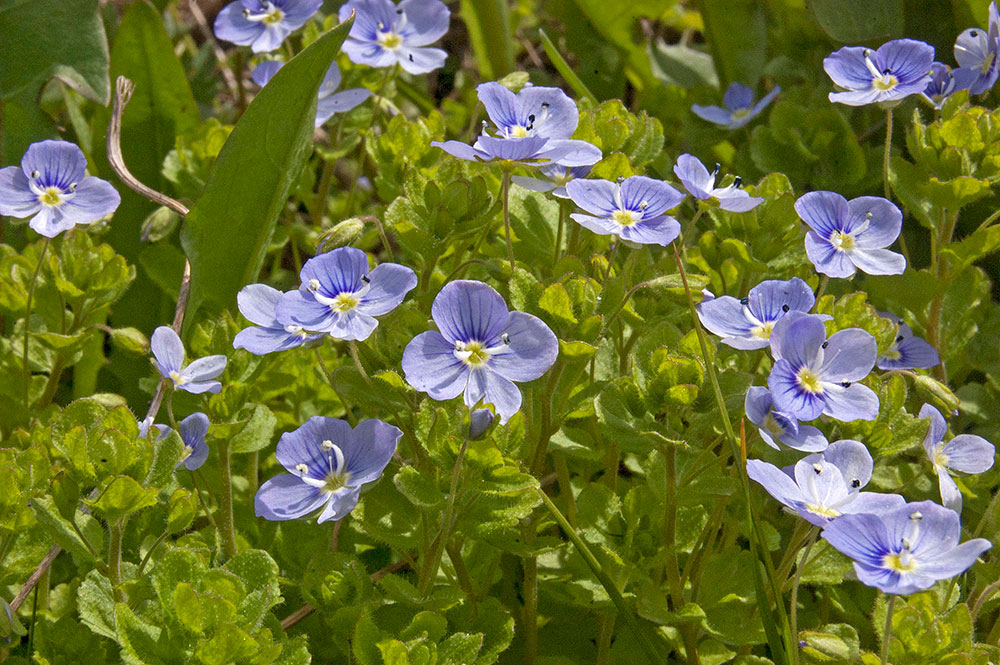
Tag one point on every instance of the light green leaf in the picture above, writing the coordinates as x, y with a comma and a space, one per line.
123, 496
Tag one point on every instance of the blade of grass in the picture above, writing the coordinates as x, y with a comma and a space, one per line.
655, 652
564, 70
488, 22
779, 652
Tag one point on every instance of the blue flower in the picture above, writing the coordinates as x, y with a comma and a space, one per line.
52, 188
907, 351
945, 82
330, 101
966, 453
258, 302
555, 181
327, 464
632, 209
847, 236
739, 109
263, 24
196, 378
813, 375
701, 184
384, 33
747, 323
824, 486
907, 549
481, 349
192, 430
532, 126
897, 69
978, 54
339, 295
774, 425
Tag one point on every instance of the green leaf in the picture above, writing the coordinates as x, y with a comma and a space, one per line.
257, 433
226, 234
122, 497
852, 21
418, 488
61, 529
737, 33
71, 46
488, 22
97, 605
682, 65
578, 86
166, 455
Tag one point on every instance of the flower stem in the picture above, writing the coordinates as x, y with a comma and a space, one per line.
887, 635
434, 561
885, 175
793, 610
559, 234
226, 503
822, 286
115, 558
353, 347
506, 219
27, 323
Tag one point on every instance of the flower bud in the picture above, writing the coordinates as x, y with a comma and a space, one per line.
479, 422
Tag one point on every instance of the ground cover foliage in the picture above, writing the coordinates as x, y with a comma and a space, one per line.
714, 281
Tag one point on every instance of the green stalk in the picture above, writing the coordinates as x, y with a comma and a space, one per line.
506, 219
115, 558
779, 652
794, 601
887, 634
225, 511
27, 323
652, 650
434, 561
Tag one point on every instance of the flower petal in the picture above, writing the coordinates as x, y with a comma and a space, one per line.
824, 212
340, 102
656, 231
595, 196
501, 104
305, 445
59, 163
862, 537
286, 497
884, 223
649, 196
969, 453
430, 366
772, 298
426, 21
713, 114
257, 303
16, 198
694, 176
421, 59
757, 404
532, 351
231, 26
849, 355
827, 259
555, 114
878, 261
724, 317
491, 388
599, 225
788, 395
738, 96
853, 460
776, 482
337, 271
390, 282
372, 445
340, 504
204, 369
469, 311
167, 349
798, 338
265, 71
460, 150
855, 402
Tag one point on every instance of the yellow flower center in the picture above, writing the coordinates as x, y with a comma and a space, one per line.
739, 114
344, 303
177, 378
940, 459
901, 563
477, 354
843, 242
518, 131
772, 426
763, 331
808, 381
51, 196
335, 480
274, 16
391, 41
893, 353
623, 218
822, 511
885, 82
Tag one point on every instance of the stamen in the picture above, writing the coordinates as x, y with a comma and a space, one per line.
785, 308
313, 285
35, 174
302, 468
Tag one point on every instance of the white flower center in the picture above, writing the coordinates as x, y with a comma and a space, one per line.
344, 301
882, 81
336, 477
268, 14
177, 378
476, 354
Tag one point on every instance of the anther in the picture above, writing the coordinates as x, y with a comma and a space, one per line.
737, 182
818, 468
899, 339
35, 174
916, 516
973, 33
855, 484
744, 300
246, 13
365, 279
643, 205
845, 384
906, 543
327, 445
868, 215
72, 186
302, 468
314, 284
716, 170
505, 338
411, 57
825, 344
545, 106
381, 25
785, 308
620, 179
531, 118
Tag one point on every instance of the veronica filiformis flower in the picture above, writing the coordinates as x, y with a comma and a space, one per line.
945, 82
479, 349
739, 108
330, 99
632, 208
701, 185
813, 375
966, 453
341, 296
895, 70
978, 54
532, 127
258, 303
824, 486
555, 179
747, 323
907, 549
385, 33
775, 426
263, 24
195, 377
328, 462
52, 188
846, 236
907, 351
